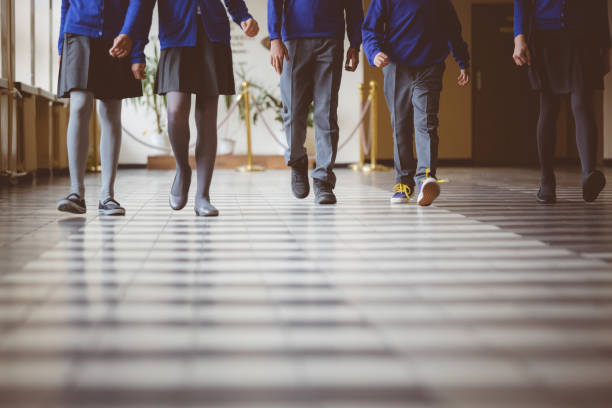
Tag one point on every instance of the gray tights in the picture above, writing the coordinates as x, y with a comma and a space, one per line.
81, 109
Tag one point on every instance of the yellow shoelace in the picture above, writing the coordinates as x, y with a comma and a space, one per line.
428, 173
402, 188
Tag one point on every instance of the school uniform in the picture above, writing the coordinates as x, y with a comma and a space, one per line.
196, 56
87, 31
313, 32
417, 35
565, 38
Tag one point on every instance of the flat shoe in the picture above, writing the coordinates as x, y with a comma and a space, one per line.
204, 208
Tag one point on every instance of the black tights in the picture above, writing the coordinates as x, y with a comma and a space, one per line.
586, 133
179, 107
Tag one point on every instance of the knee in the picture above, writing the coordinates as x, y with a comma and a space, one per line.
81, 106
178, 113
581, 106
110, 111
326, 120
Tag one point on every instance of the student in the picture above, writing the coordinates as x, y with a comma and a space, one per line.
101, 57
196, 58
566, 44
410, 40
307, 47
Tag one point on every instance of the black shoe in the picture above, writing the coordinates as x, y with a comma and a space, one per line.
324, 192
178, 202
592, 186
203, 208
110, 207
546, 197
299, 179
73, 204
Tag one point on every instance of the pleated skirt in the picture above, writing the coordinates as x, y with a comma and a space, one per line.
86, 65
562, 63
206, 69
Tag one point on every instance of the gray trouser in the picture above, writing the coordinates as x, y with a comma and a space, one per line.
413, 97
313, 74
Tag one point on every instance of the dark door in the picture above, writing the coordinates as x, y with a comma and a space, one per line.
505, 108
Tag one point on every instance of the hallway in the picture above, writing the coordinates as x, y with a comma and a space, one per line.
486, 300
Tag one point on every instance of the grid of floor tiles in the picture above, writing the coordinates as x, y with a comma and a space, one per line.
485, 300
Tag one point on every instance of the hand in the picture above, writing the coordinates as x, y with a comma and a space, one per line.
464, 77
521, 55
352, 60
250, 27
139, 70
381, 60
605, 55
278, 54
122, 46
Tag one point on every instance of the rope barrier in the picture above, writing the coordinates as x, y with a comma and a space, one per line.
230, 111
359, 126
365, 141
343, 145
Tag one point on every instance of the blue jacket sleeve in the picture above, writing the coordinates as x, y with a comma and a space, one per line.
130, 22
455, 39
275, 18
141, 30
373, 29
354, 19
65, 7
521, 17
238, 10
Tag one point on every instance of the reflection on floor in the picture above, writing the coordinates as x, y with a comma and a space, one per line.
485, 300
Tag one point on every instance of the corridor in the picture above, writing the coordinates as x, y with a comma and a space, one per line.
486, 300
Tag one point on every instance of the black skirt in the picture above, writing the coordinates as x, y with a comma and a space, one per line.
86, 65
563, 62
206, 69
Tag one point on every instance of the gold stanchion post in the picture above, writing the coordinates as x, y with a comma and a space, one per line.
374, 166
247, 118
95, 166
359, 166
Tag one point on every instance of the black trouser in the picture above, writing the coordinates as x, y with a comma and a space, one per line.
586, 132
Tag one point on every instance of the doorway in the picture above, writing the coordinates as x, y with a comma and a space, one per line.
505, 108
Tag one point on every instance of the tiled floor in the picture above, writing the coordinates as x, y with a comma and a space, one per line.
486, 300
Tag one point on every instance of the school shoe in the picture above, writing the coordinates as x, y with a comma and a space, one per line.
592, 186
429, 190
403, 194
324, 192
178, 202
546, 196
73, 204
110, 207
299, 179
203, 208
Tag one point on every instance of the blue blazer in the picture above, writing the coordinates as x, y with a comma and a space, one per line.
588, 18
104, 19
178, 20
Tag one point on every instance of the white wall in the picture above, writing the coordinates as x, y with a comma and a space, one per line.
251, 56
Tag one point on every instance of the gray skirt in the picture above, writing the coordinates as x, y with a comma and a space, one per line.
563, 62
206, 69
87, 66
